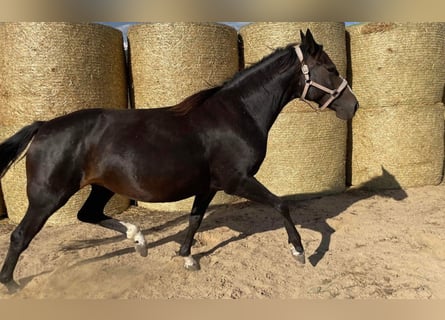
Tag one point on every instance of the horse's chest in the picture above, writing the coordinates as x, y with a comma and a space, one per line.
238, 153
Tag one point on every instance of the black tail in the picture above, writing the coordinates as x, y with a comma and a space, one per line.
13, 147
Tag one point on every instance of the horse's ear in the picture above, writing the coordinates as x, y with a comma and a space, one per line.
312, 47
302, 36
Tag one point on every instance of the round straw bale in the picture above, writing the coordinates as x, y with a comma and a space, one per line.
398, 63
171, 61
395, 147
306, 151
51, 69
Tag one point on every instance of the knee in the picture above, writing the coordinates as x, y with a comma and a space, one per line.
17, 239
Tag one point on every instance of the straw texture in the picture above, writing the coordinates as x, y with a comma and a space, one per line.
407, 141
398, 63
306, 152
171, 61
2, 58
398, 75
51, 69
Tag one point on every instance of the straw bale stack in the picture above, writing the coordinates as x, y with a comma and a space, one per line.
51, 69
171, 61
306, 152
398, 63
398, 75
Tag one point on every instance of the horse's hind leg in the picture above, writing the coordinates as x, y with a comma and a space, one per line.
93, 212
41, 206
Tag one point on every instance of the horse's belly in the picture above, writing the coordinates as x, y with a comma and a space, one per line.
167, 190
160, 185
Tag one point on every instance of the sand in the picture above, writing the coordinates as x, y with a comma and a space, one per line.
359, 244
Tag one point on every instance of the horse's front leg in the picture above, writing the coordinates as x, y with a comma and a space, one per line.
200, 205
252, 189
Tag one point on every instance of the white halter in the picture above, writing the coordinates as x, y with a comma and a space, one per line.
334, 93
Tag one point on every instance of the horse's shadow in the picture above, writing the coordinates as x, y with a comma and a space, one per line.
248, 219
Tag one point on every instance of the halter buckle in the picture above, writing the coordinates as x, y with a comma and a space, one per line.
304, 69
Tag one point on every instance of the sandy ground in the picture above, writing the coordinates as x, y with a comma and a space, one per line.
359, 244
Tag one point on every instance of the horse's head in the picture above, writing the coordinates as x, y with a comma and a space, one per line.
320, 80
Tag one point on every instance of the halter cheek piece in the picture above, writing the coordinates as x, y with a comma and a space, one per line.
308, 82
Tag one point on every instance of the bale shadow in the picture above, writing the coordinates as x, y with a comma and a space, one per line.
248, 219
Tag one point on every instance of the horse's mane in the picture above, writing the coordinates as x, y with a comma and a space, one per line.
200, 97
194, 100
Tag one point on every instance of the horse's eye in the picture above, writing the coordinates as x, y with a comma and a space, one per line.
333, 70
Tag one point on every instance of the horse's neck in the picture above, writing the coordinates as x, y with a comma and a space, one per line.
263, 91
265, 100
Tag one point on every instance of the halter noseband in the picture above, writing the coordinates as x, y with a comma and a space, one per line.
308, 82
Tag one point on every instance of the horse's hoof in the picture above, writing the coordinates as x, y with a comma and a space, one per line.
191, 264
12, 286
298, 256
141, 248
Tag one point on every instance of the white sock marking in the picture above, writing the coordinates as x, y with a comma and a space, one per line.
133, 233
189, 262
132, 230
139, 238
294, 251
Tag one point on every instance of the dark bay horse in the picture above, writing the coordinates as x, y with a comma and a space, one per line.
213, 140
